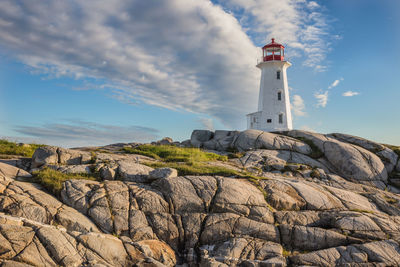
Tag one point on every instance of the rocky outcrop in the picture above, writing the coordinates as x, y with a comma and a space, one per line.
301, 199
29, 243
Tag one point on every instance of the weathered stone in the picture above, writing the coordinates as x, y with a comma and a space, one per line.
69, 156
310, 238
198, 137
219, 227
276, 158
255, 139
241, 197
351, 200
43, 156
315, 197
385, 253
141, 251
282, 196
13, 172
108, 172
135, 172
162, 173
85, 168
221, 141
243, 251
354, 163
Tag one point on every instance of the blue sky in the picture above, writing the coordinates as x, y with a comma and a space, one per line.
76, 73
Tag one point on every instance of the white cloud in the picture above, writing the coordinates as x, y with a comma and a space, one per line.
298, 106
81, 133
178, 54
299, 24
322, 98
207, 123
335, 83
350, 93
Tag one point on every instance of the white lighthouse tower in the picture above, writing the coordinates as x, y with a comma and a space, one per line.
273, 101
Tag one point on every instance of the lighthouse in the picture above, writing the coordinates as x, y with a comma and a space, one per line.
273, 101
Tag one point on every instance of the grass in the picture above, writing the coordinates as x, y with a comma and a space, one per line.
286, 253
363, 211
12, 148
174, 154
390, 200
53, 180
198, 168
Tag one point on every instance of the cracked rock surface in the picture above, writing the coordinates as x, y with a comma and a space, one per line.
312, 199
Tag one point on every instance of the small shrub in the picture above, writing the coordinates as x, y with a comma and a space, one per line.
12, 148
174, 154
315, 174
286, 253
93, 157
53, 180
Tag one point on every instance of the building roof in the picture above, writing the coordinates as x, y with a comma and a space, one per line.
273, 44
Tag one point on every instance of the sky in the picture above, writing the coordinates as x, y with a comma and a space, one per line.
78, 73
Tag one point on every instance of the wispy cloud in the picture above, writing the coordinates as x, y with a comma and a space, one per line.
298, 106
350, 93
302, 25
322, 98
82, 133
207, 123
335, 83
187, 55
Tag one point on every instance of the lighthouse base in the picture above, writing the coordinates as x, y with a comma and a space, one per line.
267, 122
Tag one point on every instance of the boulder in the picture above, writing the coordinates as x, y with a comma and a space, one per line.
44, 156
132, 171
198, 137
164, 141
108, 172
162, 173
256, 139
221, 141
85, 168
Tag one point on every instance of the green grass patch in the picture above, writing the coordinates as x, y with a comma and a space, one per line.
12, 148
363, 211
286, 253
174, 154
198, 168
53, 180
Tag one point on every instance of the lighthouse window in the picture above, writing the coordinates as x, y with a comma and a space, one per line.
269, 121
280, 118
278, 74
279, 96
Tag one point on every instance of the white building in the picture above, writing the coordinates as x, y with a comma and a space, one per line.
273, 101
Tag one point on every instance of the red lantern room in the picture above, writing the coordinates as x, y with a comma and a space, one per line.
273, 51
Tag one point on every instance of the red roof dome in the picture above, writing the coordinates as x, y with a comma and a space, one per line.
273, 44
